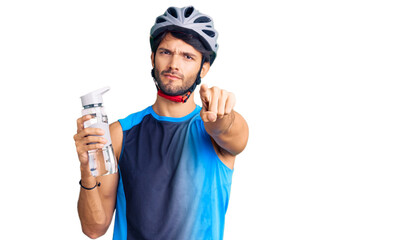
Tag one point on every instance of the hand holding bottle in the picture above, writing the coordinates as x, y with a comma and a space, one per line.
90, 128
87, 139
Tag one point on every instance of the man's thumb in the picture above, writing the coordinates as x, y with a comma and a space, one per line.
208, 116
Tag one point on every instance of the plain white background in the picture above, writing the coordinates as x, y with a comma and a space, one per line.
322, 84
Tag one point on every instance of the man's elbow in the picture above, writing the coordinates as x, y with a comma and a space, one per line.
238, 149
241, 143
93, 235
94, 232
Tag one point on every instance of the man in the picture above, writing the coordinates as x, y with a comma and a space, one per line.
175, 159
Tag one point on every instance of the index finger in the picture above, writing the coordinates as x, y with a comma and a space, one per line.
205, 95
81, 120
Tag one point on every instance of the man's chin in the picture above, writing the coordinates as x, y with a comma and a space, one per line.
172, 90
174, 93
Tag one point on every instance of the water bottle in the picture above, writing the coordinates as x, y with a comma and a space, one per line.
101, 161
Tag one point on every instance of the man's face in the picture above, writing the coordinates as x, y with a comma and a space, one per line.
176, 65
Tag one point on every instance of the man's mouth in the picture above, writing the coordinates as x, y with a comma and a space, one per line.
172, 75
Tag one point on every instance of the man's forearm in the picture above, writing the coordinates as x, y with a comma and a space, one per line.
229, 132
90, 208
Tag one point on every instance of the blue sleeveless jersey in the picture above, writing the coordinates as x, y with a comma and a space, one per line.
172, 185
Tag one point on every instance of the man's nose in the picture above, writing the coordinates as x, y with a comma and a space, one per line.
174, 62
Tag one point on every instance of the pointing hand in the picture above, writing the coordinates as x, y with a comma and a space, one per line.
216, 103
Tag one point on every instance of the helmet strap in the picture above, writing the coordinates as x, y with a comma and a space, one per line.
181, 98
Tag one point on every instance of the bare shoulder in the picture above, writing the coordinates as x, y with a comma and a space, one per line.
115, 126
115, 130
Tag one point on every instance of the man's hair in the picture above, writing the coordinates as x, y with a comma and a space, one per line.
187, 38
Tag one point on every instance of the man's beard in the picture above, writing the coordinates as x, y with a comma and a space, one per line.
173, 90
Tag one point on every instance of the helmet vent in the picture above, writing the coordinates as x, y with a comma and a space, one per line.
202, 20
209, 33
160, 20
172, 12
188, 11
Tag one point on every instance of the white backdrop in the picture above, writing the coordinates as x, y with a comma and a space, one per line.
322, 84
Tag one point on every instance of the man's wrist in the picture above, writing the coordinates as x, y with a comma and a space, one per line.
221, 126
97, 184
87, 180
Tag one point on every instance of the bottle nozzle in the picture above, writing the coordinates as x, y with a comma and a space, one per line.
94, 97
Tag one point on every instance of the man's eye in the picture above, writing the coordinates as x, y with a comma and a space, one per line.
188, 57
165, 52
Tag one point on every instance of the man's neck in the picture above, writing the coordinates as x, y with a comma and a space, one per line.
167, 108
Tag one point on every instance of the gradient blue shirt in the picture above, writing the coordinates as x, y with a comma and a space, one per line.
172, 185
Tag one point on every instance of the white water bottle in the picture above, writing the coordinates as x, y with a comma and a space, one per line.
101, 161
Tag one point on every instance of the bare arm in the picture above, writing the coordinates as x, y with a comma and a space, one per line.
227, 128
96, 206
230, 133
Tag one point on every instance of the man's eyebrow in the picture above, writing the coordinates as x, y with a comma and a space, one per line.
184, 53
164, 49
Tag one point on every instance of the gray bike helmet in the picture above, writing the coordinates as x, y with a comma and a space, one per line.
189, 20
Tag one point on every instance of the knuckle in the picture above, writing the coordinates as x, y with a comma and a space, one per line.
85, 139
212, 90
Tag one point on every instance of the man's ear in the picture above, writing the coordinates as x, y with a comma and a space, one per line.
153, 59
205, 69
